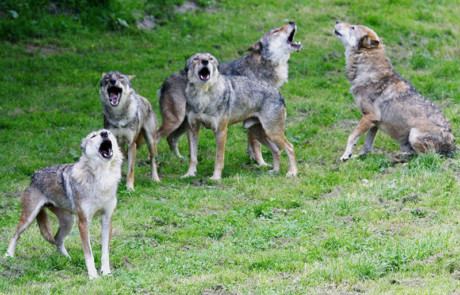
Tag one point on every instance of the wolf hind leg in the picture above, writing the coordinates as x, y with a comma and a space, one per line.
425, 139
172, 107
66, 223
32, 204
277, 136
257, 134
173, 138
152, 146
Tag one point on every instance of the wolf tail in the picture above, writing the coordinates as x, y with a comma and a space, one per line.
44, 224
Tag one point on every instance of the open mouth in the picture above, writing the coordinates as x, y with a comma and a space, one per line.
114, 95
204, 74
106, 149
290, 40
337, 33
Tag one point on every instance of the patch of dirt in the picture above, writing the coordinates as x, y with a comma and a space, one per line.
219, 289
412, 197
414, 283
454, 165
34, 48
11, 270
334, 193
127, 263
456, 276
54, 8
430, 259
186, 7
400, 157
277, 211
294, 120
334, 289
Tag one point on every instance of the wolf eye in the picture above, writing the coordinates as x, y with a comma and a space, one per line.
352, 28
196, 58
275, 31
211, 58
94, 135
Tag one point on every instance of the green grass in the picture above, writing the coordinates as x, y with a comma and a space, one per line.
371, 225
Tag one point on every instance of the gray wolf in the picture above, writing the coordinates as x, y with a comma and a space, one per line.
267, 61
386, 100
85, 188
217, 101
131, 119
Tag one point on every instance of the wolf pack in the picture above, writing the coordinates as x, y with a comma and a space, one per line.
215, 95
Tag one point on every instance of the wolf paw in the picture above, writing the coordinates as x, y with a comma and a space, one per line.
106, 272
291, 173
8, 255
215, 177
188, 174
345, 157
93, 276
130, 186
262, 163
273, 172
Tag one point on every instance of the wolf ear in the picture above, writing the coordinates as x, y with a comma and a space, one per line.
256, 47
368, 42
103, 74
187, 65
131, 77
83, 145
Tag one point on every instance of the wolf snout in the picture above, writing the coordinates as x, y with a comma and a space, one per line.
337, 22
112, 81
292, 23
104, 134
204, 61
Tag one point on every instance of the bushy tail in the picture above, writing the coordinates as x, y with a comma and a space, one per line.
44, 224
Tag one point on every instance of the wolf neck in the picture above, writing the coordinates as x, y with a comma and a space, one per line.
366, 66
274, 73
94, 176
122, 114
200, 95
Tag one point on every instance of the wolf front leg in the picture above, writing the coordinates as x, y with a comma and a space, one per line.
152, 146
83, 227
221, 137
367, 122
106, 234
192, 135
131, 166
369, 141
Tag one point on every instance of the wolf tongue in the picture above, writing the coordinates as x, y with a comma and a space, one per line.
113, 95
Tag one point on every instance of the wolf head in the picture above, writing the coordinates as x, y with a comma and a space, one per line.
202, 68
356, 37
115, 86
277, 44
100, 146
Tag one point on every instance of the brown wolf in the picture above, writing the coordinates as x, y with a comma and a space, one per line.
387, 101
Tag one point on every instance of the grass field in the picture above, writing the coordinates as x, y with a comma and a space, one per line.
372, 225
